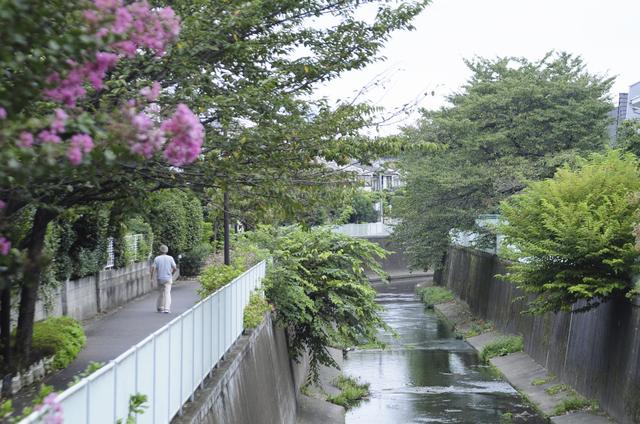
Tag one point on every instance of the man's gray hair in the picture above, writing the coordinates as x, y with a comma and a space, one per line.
164, 248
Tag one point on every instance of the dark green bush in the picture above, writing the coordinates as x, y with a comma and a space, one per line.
62, 337
192, 262
176, 218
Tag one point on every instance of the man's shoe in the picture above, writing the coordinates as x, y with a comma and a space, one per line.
159, 310
166, 312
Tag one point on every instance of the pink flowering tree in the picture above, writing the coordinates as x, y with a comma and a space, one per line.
68, 137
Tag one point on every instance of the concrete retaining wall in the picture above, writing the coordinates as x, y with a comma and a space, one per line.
85, 298
255, 383
394, 262
597, 352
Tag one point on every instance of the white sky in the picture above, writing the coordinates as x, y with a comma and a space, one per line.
605, 33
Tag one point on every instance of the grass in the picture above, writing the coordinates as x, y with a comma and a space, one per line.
574, 403
434, 295
352, 392
557, 388
542, 381
506, 418
477, 328
502, 346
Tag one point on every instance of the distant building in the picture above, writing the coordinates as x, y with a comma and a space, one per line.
633, 102
378, 176
628, 108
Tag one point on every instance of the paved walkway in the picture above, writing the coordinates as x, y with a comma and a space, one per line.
112, 334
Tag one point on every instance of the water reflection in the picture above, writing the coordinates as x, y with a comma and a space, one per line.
427, 376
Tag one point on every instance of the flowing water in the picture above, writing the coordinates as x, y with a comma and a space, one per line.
427, 376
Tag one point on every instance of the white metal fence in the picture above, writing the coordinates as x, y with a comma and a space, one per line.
371, 229
168, 366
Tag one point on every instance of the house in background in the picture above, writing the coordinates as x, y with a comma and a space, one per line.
380, 175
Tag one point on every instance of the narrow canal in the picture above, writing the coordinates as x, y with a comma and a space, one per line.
426, 375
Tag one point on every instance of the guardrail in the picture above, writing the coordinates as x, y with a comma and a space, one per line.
168, 366
371, 229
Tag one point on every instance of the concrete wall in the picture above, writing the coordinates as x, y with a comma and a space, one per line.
255, 383
85, 298
395, 262
596, 352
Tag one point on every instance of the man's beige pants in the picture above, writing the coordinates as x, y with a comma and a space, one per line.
164, 295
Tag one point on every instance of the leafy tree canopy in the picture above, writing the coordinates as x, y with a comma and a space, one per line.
514, 121
571, 236
320, 291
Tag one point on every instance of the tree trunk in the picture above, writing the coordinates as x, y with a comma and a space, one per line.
29, 291
5, 329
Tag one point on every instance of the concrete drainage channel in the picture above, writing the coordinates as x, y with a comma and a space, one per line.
521, 371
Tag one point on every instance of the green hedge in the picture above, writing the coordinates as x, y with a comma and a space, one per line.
176, 218
62, 337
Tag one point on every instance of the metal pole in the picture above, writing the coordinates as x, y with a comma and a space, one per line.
227, 256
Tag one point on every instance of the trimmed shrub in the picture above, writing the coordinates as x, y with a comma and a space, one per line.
192, 262
62, 337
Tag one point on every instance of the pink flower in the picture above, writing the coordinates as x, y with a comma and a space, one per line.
151, 93
5, 246
25, 140
107, 4
80, 145
3, 113
49, 137
82, 141
123, 20
59, 121
66, 91
127, 48
54, 415
148, 139
90, 16
3, 204
187, 136
74, 154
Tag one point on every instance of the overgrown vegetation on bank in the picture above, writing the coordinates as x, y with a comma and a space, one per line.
434, 295
502, 346
571, 237
352, 392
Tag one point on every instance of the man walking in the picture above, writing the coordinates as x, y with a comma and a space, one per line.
163, 268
